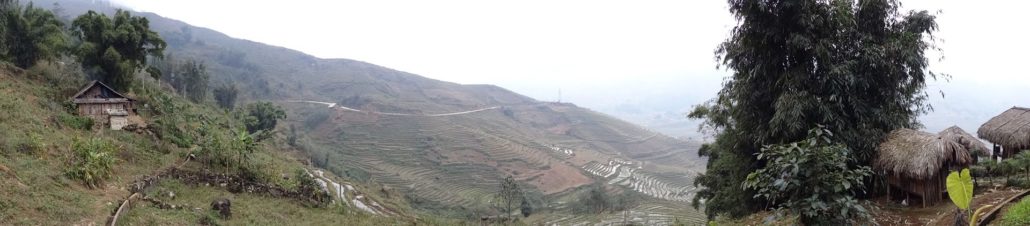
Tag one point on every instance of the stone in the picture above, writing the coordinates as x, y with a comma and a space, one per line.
222, 205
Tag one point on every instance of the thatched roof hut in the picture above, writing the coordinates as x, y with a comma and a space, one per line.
967, 140
1010, 130
917, 162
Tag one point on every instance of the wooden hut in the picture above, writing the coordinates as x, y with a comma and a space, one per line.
1009, 131
104, 105
917, 163
970, 142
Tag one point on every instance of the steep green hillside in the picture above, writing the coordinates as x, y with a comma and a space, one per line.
39, 135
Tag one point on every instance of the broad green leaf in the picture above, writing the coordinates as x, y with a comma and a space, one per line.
960, 188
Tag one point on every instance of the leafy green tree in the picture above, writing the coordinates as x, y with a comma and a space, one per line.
262, 116
526, 207
857, 67
31, 34
226, 95
509, 195
195, 76
814, 179
115, 48
595, 200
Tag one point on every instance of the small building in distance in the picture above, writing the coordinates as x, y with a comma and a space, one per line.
1009, 131
104, 105
917, 163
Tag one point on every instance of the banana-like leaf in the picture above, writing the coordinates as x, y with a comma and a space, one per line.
960, 188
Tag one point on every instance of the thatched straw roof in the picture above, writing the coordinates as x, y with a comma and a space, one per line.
967, 140
1010, 129
919, 155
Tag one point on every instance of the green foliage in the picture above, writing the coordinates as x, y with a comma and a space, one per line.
243, 144
94, 161
594, 201
291, 138
75, 122
262, 116
815, 179
225, 147
31, 34
1018, 214
1022, 162
214, 146
1008, 167
225, 95
32, 144
989, 168
509, 195
960, 188
167, 128
306, 184
526, 208
196, 77
115, 48
315, 119
858, 68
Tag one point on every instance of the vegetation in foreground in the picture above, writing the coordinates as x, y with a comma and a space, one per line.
1018, 214
855, 67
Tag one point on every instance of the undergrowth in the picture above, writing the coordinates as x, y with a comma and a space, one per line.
1018, 214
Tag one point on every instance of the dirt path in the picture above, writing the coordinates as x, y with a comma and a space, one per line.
334, 105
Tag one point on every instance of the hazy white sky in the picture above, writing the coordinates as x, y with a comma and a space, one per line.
597, 51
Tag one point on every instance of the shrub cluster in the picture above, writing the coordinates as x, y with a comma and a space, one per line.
93, 161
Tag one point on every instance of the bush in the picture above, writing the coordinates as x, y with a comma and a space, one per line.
812, 178
594, 201
166, 129
1018, 214
1016, 182
307, 185
75, 122
225, 95
262, 116
93, 161
32, 144
315, 119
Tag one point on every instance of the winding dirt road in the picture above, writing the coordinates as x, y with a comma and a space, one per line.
334, 105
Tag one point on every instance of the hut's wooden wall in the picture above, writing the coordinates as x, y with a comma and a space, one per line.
98, 111
931, 191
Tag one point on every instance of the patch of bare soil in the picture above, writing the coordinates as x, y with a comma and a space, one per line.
560, 177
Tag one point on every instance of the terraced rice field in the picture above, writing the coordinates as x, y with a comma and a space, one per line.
458, 160
624, 173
